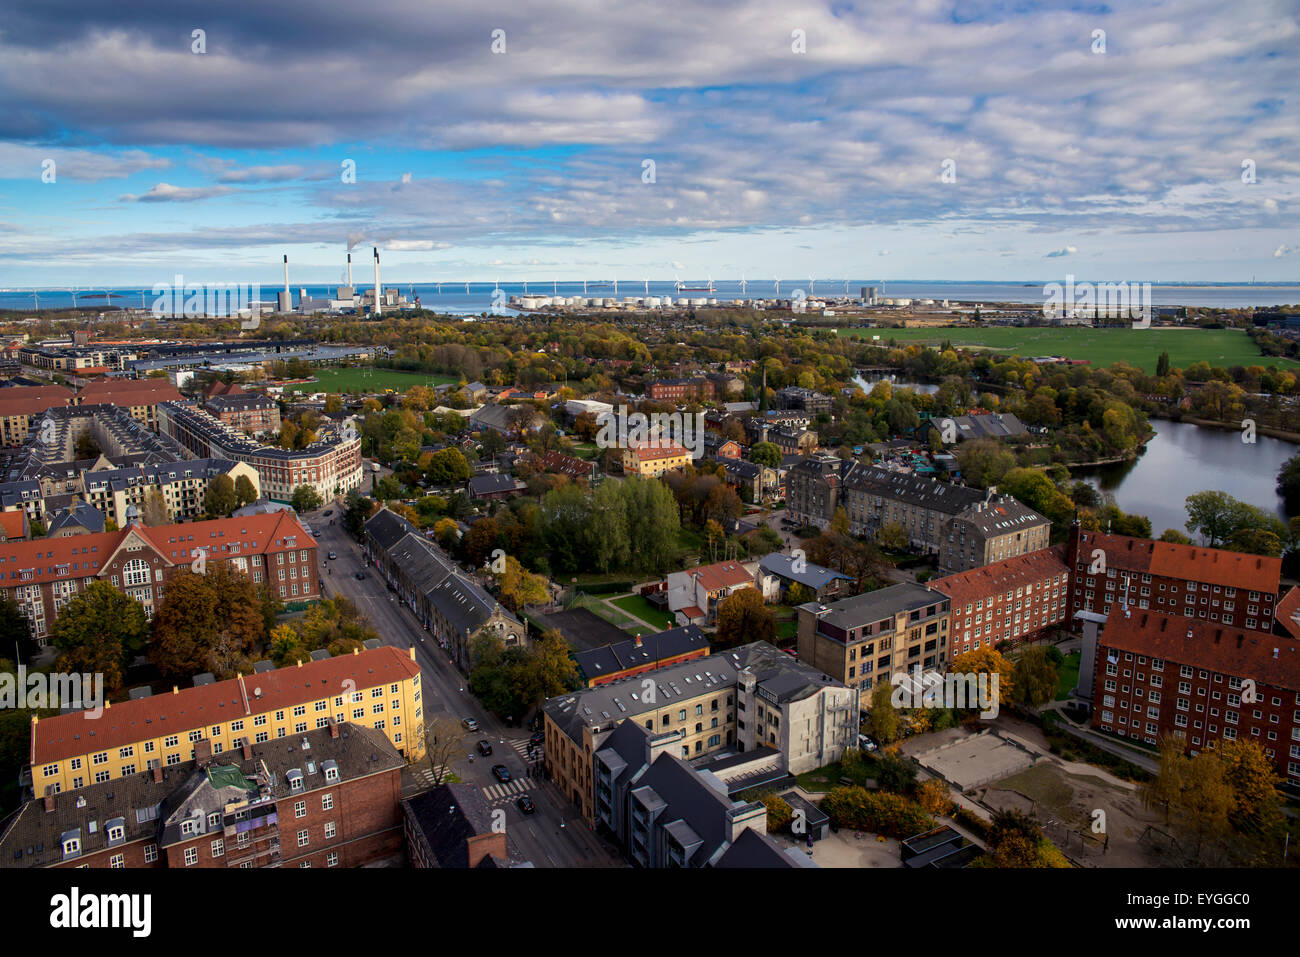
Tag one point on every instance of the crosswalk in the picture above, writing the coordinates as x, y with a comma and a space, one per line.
426, 777
521, 748
498, 793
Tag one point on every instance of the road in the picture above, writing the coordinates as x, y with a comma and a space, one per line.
555, 835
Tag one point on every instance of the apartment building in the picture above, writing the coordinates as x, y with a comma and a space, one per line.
806, 717
653, 459
251, 412
1208, 584
1161, 674
864, 640
73, 358
676, 390
378, 688
331, 465
814, 489
328, 797
450, 605
20, 405
805, 400
665, 813
140, 397
43, 575
1017, 599
639, 654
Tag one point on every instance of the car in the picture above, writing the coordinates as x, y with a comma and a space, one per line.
361, 576
470, 724
327, 513
485, 747
537, 738
525, 804
333, 556
865, 743
501, 773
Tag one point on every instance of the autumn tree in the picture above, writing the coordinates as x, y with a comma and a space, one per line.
219, 498
244, 490
153, 511
305, 498
519, 587
882, 719
1035, 677
988, 661
100, 631
743, 617
207, 622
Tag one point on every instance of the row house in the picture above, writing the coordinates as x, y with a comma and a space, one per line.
140, 397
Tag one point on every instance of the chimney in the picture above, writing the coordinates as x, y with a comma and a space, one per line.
203, 752
349, 270
379, 308
176, 689
491, 844
157, 774
49, 798
334, 728
299, 662
246, 751
286, 277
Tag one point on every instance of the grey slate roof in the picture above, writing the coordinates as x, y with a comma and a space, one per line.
448, 816
815, 577
877, 605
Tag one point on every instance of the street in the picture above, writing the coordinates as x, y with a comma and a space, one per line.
555, 835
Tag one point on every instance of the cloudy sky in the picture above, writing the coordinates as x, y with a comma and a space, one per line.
597, 139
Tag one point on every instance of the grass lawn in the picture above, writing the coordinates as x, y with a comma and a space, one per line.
787, 630
1068, 673
638, 606
1101, 347
364, 379
822, 779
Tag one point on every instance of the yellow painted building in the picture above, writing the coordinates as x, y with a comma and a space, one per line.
653, 460
378, 687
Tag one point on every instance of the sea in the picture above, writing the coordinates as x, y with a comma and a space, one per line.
456, 299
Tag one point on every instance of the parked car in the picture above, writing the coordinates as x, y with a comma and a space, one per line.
537, 738
333, 556
865, 743
501, 772
470, 724
485, 747
328, 512
525, 804
361, 576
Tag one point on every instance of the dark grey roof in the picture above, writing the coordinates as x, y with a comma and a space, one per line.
79, 514
814, 576
488, 484
448, 816
876, 605
752, 849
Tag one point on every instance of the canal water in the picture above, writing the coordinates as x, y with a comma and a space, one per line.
1182, 459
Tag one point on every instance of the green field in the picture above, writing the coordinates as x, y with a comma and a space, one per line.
1101, 347
367, 380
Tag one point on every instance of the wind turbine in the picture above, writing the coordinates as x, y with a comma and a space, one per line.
38, 300
742, 284
525, 287
555, 287
846, 289
812, 286
647, 287
584, 287
616, 287
677, 283
467, 288
778, 289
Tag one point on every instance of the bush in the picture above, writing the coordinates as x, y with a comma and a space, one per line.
881, 813
971, 821
779, 812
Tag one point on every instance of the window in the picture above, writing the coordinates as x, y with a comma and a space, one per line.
329, 829
191, 856
218, 848
150, 853
332, 860
302, 838
327, 802
300, 809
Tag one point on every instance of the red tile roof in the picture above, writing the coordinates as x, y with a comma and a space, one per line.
69, 735
1016, 572
721, 575
128, 392
13, 524
84, 556
1216, 566
1207, 645
651, 451
1287, 613
32, 399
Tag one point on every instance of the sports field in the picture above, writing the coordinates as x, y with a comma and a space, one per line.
1101, 347
367, 380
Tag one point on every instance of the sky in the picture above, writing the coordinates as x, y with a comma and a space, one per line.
600, 139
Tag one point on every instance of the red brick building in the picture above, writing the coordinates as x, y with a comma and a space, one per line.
680, 389
1208, 584
328, 798
1017, 599
251, 412
1160, 674
45, 574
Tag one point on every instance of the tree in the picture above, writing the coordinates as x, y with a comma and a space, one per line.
779, 813
207, 622
305, 498
988, 661
1035, 678
244, 490
883, 717
219, 498
743, 618
1162, 365
1288, 484
154, 511
519, 586
356, 510
892, 537
100, 631
447, 467
443, 739
765, 453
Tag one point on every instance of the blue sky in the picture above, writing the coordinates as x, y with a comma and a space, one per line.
528, 163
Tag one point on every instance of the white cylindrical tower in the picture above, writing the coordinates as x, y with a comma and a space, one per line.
379, 292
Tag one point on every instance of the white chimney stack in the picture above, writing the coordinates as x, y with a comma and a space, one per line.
286, 275
349, 270
379, 307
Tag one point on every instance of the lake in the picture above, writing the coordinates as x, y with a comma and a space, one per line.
1183, 459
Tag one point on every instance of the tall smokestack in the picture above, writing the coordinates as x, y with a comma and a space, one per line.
349, 269
285, 299
286, 274
379, 308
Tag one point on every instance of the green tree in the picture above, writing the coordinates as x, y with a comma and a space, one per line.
883, 717
219, 498
765, 453
207, 622
447, 467
244, 490
100, 630
1036, 680
305, 498
154, 511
